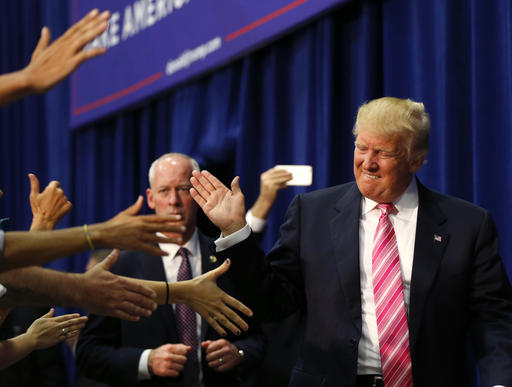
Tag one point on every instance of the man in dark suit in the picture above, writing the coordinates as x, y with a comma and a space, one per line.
392, 278
172, 347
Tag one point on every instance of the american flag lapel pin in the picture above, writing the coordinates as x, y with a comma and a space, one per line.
438, 238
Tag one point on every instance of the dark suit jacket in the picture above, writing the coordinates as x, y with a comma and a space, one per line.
109, 349
458, 288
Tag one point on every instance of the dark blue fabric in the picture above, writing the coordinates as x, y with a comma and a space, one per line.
291, 102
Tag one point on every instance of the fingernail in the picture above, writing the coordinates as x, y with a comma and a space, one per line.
228, 260
238, 333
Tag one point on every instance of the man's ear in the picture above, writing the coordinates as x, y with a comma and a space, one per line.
149, 197
417, 162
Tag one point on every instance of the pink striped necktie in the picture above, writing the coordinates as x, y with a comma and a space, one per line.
389, 303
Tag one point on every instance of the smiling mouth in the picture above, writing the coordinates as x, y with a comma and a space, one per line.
371, 176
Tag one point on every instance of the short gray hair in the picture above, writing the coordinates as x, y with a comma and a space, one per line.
193, 163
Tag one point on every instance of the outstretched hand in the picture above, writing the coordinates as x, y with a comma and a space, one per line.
51, 63
108, 294
129, 231
224, 207
212, 303
48, 330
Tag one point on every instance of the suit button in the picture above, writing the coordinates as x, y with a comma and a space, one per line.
353, 341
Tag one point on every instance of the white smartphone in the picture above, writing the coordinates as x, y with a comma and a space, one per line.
302, 174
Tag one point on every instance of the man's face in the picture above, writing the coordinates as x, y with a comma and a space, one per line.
170, 194
382, 167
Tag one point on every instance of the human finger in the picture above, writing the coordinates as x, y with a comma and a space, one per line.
76, 28
212, 321
89, 54
92, 30
235, 304
235, 185
211, 181
134, 208
199, 183
66, 317
34, 184
43, 42
197, 197
229, 323
137, 293
49, 314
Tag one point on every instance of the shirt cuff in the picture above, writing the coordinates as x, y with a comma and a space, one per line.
256, 224
3, 290
232, 239
143, 365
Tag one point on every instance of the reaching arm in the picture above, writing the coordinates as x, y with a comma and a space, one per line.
271, 181
125, 231
98, 291
44, 332
51, 63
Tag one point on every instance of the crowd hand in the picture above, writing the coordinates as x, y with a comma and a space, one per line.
224, 207
49, 206
102, 292
50, 63
212, 303
168, 359
272, 181
48, 330
221, 355
129, 231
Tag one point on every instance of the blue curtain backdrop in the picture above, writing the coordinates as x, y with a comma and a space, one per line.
292, 102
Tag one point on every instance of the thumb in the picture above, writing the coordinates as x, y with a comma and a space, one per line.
50, 313
222, 269
110, 260
235, 185
205, 344
34, 184
44, 41
135, 207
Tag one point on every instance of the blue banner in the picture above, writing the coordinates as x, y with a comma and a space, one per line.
156, 44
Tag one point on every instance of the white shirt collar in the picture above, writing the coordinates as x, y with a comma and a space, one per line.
405, 204
192, 246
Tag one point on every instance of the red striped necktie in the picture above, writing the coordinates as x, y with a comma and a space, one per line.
389, 303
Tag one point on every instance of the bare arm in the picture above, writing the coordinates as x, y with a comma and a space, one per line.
51, 63
98, 290
125, 231
271, 181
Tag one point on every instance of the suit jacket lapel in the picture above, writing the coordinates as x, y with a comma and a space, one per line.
344, 228
430, 243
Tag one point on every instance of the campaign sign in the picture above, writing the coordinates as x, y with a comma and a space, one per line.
153, 45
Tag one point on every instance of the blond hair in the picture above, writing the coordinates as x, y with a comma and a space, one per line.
395, 116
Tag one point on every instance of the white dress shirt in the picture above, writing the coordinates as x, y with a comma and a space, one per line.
404, 222
172, 264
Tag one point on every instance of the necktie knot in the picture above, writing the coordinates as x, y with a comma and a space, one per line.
386, 208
